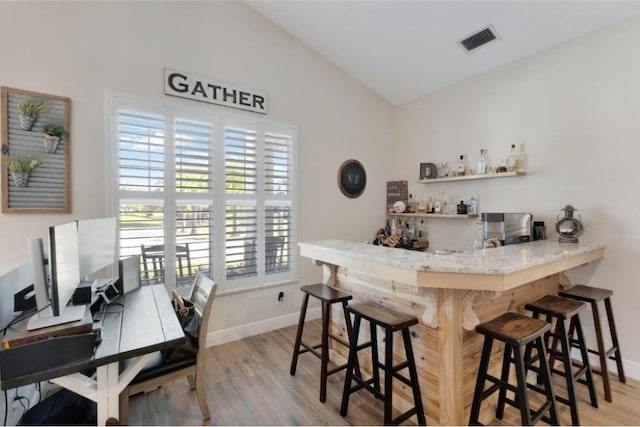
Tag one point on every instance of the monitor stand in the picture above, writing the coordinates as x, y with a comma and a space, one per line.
71, 313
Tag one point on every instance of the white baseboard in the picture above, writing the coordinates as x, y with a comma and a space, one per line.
255, 328
631, 369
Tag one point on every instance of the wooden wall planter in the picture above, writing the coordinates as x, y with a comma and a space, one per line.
49, 186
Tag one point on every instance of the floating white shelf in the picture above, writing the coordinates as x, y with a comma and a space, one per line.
471, 177
433, 215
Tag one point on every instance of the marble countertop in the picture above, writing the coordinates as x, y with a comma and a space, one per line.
498, 261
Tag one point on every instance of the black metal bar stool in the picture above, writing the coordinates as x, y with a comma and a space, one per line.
516, 331
327, 296
391, 321
593, 296
558, 310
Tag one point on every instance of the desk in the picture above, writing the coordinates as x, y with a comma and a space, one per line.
450, 294
147, 323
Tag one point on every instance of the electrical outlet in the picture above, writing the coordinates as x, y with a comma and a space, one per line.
280, 296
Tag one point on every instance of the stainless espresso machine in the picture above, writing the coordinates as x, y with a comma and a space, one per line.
509, 228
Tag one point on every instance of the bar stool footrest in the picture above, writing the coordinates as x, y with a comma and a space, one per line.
403, 417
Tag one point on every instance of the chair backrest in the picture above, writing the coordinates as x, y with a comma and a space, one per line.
202, 294
153, 261
273, 252
184, 261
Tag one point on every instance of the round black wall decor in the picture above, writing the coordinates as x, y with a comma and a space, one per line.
352, 178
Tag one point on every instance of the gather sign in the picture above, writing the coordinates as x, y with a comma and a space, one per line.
198, 88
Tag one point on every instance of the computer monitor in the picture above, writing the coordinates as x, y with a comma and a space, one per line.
65, 277
64, 256
39, 275
97, 248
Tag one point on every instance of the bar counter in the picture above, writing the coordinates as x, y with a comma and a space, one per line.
449, 294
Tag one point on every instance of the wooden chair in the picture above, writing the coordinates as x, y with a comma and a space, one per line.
156, 374
273, 253
153, 263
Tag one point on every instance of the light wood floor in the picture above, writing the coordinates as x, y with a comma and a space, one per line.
248, 383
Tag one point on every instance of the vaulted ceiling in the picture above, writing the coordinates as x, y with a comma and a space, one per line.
403, 50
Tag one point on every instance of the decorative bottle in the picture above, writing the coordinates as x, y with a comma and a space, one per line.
437, 206
411, 229
512, 160
461, 167
481, 165
411, 206
421, 230
521, 162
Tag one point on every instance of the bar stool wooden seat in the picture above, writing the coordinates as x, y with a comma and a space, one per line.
593, 296
516, 331
391, 321
558, 310
327, 296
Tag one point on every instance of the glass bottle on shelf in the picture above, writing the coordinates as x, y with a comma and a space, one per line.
472, 207
430, 205
461, 166
443, 172
411, 229
437, 206
421, 231
439, 203
421, 206
512, 160
481, 164
411, 206
521, 159
451, 205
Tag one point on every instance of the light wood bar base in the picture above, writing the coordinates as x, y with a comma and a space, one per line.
447, 349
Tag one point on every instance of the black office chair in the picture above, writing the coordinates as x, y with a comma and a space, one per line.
153, 263
157, 372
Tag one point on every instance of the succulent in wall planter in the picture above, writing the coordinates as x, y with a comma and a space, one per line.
52, 135
20, 169
29, 110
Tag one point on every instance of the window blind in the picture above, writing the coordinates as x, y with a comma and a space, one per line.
193, 142
241, 168
141, 151
204, 181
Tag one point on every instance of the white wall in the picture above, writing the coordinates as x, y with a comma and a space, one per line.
84, 49
575, 107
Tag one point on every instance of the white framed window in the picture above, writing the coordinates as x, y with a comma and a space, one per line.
213, 193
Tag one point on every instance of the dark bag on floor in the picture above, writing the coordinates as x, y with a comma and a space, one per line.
190, 321
61, 408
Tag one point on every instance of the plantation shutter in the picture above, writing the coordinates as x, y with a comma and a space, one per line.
278, 179
141, 183
213, 194
140, 151
194, 142
241, 215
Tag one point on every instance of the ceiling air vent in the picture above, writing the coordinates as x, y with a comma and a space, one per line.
480, 38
